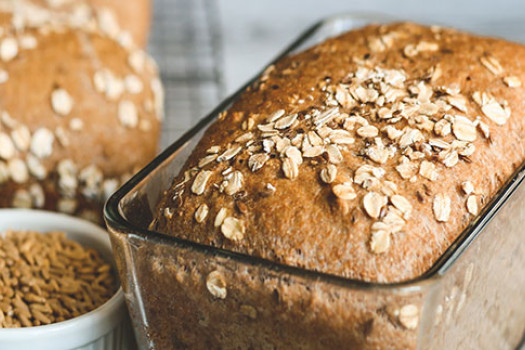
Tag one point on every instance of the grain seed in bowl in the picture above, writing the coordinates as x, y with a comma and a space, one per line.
48, 278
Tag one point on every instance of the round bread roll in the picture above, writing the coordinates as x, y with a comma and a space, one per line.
120, 19
79, 113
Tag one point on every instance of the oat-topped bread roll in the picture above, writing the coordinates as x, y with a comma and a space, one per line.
365, 156
120, 19
79, 113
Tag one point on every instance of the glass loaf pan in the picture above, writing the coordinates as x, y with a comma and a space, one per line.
470, 299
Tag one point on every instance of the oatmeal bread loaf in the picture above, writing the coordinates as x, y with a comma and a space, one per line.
79, 113
364, 156
119, 19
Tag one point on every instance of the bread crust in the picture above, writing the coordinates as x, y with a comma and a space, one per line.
119, 19
133, 17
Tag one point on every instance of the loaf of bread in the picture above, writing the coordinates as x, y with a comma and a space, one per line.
123, 20
364, 156
79, 113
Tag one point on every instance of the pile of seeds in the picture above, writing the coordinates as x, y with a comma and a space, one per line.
48, 278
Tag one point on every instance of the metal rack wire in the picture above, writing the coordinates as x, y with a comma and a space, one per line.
186, 42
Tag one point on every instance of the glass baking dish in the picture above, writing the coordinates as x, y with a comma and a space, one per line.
471, 298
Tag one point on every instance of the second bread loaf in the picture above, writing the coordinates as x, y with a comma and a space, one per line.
79, 113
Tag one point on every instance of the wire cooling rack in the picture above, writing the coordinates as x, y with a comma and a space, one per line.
186, 42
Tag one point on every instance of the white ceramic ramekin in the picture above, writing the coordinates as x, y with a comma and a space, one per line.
105, 328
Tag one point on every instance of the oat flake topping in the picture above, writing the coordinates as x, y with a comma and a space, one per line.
61, 102
8, 49
216, 285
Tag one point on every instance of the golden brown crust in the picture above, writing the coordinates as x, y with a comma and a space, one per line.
133, 16
79, 113
120, 19
424, 126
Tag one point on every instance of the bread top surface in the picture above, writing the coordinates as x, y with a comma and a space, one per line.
115, 18
364, 156
76, 106
134, 18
